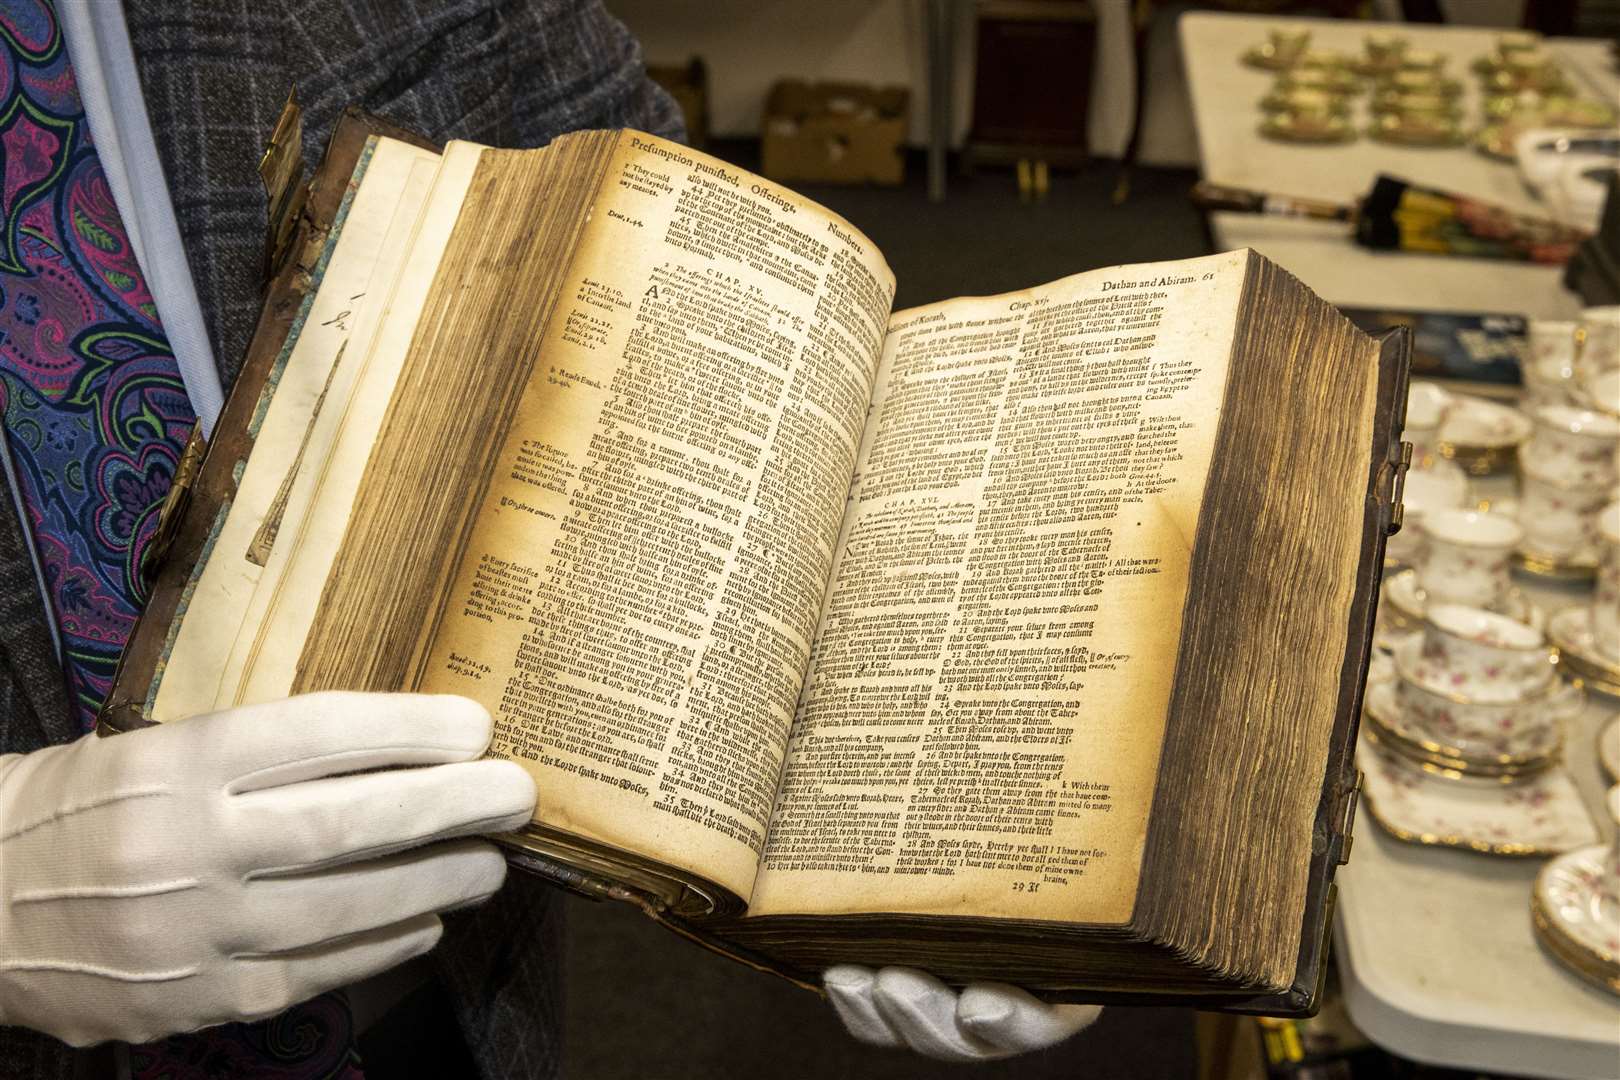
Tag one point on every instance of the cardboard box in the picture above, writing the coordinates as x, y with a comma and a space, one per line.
688, 84
836, 133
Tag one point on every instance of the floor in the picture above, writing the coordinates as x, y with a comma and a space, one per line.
981, 240
642, 1003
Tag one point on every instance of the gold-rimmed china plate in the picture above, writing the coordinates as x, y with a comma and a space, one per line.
1323, 129
1403, 601
1608, 750
1268, 57
1496, 141
1575, 909
1417, 129
1570, 632
1541, 815
1575, 569
1482, 436
1381, 714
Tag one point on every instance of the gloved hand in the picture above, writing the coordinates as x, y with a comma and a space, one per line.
898, 1006
229, 866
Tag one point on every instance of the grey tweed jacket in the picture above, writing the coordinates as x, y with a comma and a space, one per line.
215, 74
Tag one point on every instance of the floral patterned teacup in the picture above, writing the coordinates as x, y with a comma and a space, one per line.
1606, 601
1282, 49
1559, 520
1549, 377
1481, 655
1515, 42
1463, 558
1385, 50
1573, 446
1599, 347
1523, 726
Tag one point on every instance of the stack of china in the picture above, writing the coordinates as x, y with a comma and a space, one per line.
1417, 104
1588, 638
1566, 475
1575, 908
1476, 694
1426, 405
1310, 102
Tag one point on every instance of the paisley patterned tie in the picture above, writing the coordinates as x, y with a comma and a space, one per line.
95, 412
95, 418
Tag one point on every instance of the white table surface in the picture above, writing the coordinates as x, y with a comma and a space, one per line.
1320, 255
1225, 95
1435, 950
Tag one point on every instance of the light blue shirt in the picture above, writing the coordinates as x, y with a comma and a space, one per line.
97, 40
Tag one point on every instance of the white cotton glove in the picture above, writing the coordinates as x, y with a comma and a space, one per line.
897, 1006
229, 866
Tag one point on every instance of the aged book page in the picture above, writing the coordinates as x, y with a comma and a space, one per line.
358, 383
322, 498
638, 597
981, 727
226, 603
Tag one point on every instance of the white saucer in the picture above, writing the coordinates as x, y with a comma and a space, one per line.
1382, 705
1570, 632
1540, 815
1575, 907
1481, 435
1257, 56
1405, 600
1608, 750
1474, 421
1581, 566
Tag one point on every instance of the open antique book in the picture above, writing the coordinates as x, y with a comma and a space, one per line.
1018, 637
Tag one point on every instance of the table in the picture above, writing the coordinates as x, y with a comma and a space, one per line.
1231, 151
1434, 946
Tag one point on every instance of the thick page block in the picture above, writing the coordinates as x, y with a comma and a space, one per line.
303, 239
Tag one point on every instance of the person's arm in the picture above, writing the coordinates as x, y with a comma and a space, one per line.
903, 1007
228, 866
